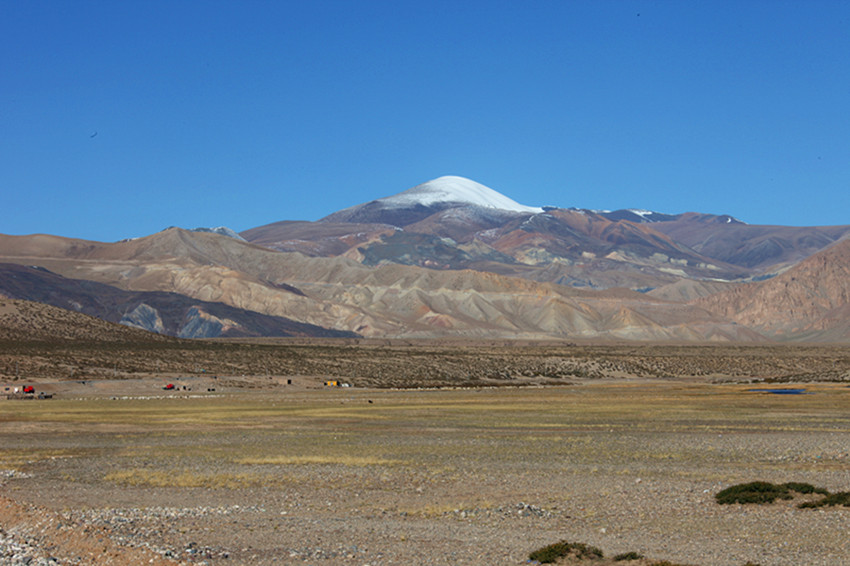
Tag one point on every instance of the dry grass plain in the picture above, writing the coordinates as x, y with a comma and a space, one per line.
259, 472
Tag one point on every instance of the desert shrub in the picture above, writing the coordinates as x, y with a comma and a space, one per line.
549, 554
765, 492
628, 556
753, 492
840, 498
805, 488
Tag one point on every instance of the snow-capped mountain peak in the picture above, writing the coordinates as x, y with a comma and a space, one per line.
455, 189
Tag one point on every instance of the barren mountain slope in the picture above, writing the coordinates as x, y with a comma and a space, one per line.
809, 300
751, 246
588, 249
389, 300
326, 239
23, 321
582, 237
204, 266
684, 290
456, 223
452, 257
156, 311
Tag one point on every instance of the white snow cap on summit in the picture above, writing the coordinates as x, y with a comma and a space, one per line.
456, 189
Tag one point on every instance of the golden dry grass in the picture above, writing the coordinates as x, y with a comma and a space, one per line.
623, 426
341, 460
186, 478
20, 458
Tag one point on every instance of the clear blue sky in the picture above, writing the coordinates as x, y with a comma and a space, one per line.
118, 119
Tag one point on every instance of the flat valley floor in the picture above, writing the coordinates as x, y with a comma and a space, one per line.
114, 472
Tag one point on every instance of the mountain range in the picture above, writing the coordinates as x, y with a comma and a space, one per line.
452, 257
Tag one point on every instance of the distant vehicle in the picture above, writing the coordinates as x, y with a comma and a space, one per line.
169, 387
28, 389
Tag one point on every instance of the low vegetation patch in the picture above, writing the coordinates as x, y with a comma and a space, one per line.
765, 492
342, 460
840, 498
551, 553
186, 478
18, 460
579, 553
762, 492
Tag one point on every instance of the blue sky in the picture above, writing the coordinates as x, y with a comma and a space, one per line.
119, 119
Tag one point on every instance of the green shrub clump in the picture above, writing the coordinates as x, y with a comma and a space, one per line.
628, 556
764, 492
753, 492
549, 554
840, 498
805, 488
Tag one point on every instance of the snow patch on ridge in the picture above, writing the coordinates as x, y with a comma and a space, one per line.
641, 212
222, 230
455, 189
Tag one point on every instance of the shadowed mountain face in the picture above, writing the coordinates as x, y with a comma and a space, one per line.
27, 321
155, 311
447, 258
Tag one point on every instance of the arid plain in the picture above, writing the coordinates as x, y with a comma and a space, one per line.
439, 453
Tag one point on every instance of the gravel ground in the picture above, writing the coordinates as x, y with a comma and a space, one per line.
430, 478
687, 528
34, 536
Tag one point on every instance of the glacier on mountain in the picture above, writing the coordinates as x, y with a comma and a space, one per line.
455, 190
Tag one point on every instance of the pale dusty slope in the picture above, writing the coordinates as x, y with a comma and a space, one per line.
389, 300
